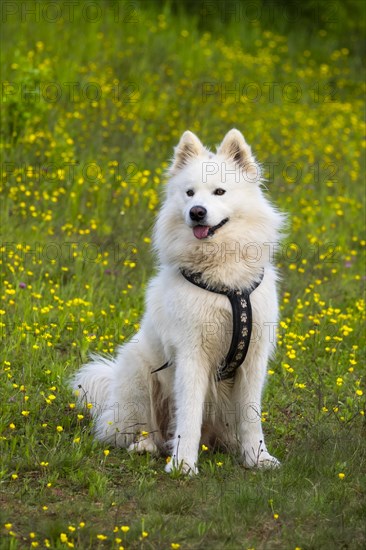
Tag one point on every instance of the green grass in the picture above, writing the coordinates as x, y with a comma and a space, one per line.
76, 258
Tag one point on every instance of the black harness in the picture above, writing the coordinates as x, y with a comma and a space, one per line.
242, 324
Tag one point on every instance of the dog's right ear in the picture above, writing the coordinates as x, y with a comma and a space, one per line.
188, 148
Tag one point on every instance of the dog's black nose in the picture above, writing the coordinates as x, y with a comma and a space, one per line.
197, 213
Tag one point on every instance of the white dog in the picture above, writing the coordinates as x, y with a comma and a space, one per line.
214, 237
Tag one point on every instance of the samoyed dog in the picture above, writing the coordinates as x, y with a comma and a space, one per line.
191, 375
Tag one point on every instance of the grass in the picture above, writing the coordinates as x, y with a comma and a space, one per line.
82, 173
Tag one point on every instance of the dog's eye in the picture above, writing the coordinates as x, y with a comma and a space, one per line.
219, 191
190, 192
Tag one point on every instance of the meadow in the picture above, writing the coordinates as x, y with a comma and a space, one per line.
95, 95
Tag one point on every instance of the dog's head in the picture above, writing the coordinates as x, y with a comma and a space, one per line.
214, 202
208, 186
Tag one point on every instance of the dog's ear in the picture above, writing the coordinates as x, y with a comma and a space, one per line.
235, 148
188, 148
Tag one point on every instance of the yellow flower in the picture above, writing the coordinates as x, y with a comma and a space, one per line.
175, 545
106, 452
144, 534
341, 475
359, 392
276, 516
102, 537
59, 429
204, 448
63, 537
25, 413
12, 426
14, 476
125, 528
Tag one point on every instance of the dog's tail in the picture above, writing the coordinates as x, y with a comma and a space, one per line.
92, 383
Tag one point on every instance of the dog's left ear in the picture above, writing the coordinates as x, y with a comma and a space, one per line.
188, 148
235, 148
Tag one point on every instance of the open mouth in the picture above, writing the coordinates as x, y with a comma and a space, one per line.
204, 231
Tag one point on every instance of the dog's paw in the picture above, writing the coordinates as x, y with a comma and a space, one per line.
264, 461
145, 445
268, 462
182, 467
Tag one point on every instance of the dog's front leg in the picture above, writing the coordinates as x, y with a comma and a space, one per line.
247, 394
190, 387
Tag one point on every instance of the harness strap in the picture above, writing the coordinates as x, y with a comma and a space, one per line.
242, 324
165, 366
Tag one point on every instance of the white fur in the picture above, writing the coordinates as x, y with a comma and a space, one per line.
191, 327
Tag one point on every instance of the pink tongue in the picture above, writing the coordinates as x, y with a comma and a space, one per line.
201, 231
